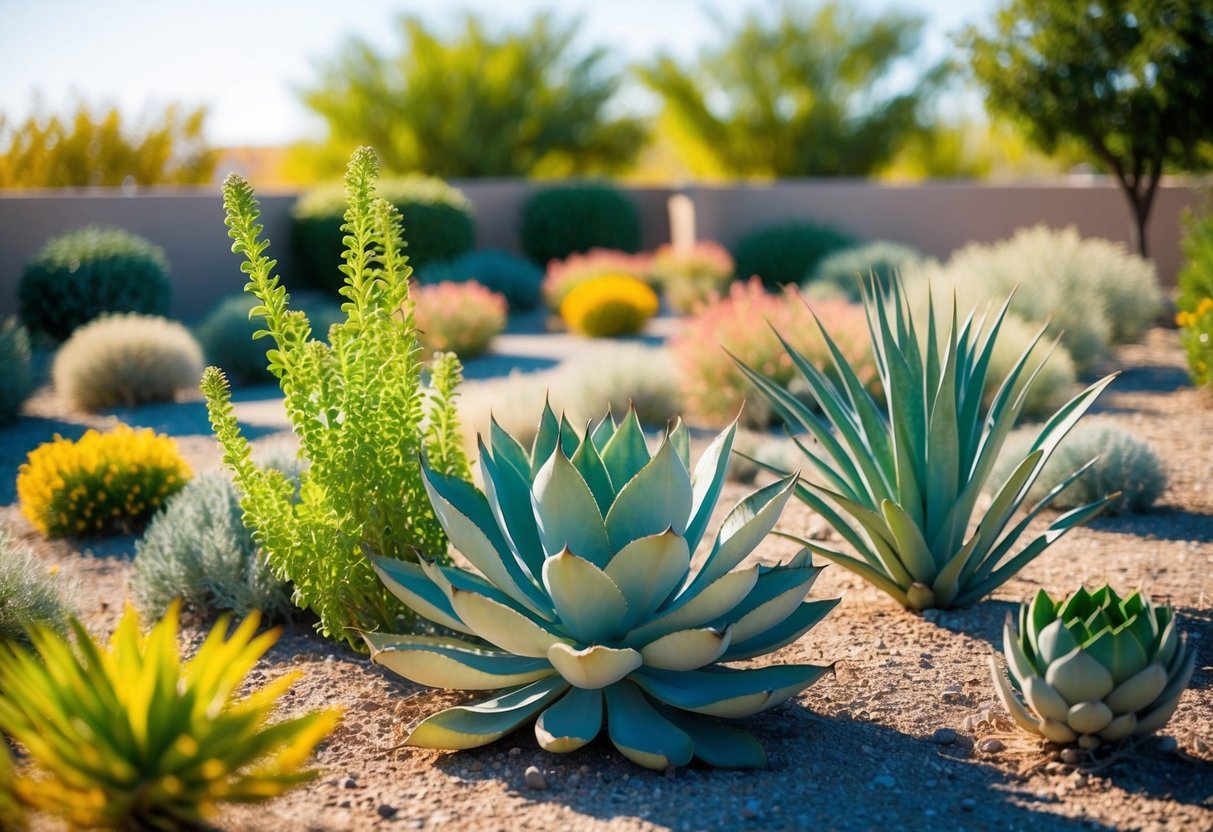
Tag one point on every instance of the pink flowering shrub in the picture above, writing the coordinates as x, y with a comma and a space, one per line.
565, 275
462, 318
689, 277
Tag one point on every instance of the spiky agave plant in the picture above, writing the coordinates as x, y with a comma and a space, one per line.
1094, 668
901, 483
586, 596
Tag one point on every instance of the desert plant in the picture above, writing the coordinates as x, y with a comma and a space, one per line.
782, 255
609, 306
129, 736
691, 276
28, 595
518, 280
82, 274
1195, 316
1054, 380
557, 222
563, 276
438, 219
901, 484
361, 412
126, 360
462, 318
843, 270
1093, 668
17, 380
103, 483
585, 613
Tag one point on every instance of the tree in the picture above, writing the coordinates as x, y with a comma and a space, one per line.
101, 148
1132, 80
805, 93
506, 103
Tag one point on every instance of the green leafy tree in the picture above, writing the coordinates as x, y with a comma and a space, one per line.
799, 94
102, 148
486, 102
1131, 80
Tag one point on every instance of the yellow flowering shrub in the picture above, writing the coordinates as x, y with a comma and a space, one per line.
613, 304
102, 483
1195, 301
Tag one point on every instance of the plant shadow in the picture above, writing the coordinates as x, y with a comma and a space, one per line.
1163, 523
498, 365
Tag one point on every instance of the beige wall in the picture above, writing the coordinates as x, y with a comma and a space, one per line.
935, 217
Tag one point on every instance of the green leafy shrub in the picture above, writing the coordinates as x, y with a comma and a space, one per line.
782, 255
438, 221
690, 277
362, 415
516, 279
563, 276
83, 274
557, 222
17, 377
126, 360
1195, 316
841, 271
462, 318
29, 596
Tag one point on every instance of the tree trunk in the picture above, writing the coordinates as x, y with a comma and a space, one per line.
1137, 228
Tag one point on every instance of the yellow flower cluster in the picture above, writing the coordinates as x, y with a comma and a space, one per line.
614, 304
1190, 319
102, 483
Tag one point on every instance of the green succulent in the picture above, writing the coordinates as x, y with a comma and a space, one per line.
1094, 668
901, 483
591, 609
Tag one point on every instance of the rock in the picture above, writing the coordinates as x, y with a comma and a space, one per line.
349, 783
943, 736
475, 765
991, 745
968, 804
534, 779
886, 781
951, 693
1168, 745
345, 804
386, 812
1071, 756
515, 751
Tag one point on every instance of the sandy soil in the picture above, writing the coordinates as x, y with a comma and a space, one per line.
854, 752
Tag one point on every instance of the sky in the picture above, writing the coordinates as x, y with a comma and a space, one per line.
246, 60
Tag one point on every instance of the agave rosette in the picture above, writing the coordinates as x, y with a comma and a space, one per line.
1094, 668
584, 591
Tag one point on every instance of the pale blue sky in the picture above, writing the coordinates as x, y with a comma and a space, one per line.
243, 58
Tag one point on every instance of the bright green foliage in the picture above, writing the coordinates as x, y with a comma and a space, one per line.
28, 596
1195, 317
17, 380
515, 278
585, 590
97, 148
360, 410
557, 222
797, 93
10, 806
83, 274
782, 255
901, 485
1093, 668
844, 271
490, 101
131, 737
1130, 80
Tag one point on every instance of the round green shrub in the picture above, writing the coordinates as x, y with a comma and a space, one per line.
784, 254
83, 274
839, 272
17, 376
28, 595
438, 225
516, 279
557, 222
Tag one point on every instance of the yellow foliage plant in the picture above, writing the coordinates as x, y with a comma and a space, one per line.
610, 305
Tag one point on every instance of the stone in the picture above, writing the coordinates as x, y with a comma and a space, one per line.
991, 745
943, 736
534, 779
349, 783
386, 812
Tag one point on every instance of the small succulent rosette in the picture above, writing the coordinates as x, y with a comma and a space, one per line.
584, 608
1095, 668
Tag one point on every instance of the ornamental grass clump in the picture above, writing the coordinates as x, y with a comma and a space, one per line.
462, 318
585, 591
900, 484
609, 306
129, 736
29, 595
1093, 668
362, 414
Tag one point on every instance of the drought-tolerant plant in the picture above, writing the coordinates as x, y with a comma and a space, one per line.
782, 255
83, 274
517, 279
198, 550
1195, 316
360, 410
17, 379
563, 276
28, 595
129, 736
462, 318
126, 360
1125, 468
691, 276
557, 222
901, 483
1054, 381
842, 271
102, 483
608, 306
1093, 668
438, 220
585, 591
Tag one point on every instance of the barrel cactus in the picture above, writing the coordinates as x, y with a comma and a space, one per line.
1094, 668
589, 604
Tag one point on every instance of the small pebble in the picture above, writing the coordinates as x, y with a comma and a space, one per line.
1071, 756
345, 804
515, 751
968, 804
475, 765
885, 780
349, 783
943, 736
534, 779
950, 693
991, 746
386, 812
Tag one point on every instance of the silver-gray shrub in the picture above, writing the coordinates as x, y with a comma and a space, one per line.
29, 595
16, 371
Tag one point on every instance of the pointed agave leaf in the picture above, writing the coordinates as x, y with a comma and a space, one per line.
590, 605
453, 664
589, 464
568, 514
509, 497
707, 483
911, 547
647, 571
471, 726
546, 439
1019, 713
409, 583
507, 627
803, 618
681, 439
602, 432
694, 609
776, 595
507, 452
642, 734
718, 743
743, 529
728, 693
687, 649
573, 721
876, 577
593, 667
626, 452
659, 497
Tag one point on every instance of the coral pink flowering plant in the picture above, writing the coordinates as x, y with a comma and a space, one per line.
462, 318
689, 276
565, 275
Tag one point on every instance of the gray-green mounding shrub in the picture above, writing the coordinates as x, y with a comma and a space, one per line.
83, 274
840, 271
28, 595
1123, 463
557, 222
198, 549
517, 279
16, 373
439, 224
784, 254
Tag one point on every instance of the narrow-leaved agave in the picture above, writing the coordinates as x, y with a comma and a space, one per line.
585, 594
902, 482
1094, 668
